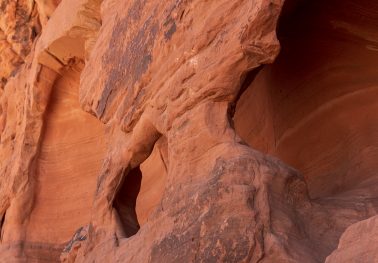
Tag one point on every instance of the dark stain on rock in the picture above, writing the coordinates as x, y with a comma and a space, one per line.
4, 4
168, 34
3, 81
80, 235
24, 34
170, 24
219, 242
176, 247
129, 59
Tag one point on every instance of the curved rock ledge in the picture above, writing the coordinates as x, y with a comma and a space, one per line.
188, 131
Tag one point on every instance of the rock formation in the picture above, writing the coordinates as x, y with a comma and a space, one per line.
188, 131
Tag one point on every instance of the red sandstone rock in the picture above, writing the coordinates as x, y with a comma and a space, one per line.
359, 243
19, 26
120, 128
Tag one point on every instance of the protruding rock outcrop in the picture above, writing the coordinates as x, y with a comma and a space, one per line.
150, 131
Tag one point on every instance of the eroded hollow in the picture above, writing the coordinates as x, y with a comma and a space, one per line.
2, 220
70, 156
142, 190
125, 202
315, 107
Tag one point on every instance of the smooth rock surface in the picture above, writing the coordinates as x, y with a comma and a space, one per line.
70, 156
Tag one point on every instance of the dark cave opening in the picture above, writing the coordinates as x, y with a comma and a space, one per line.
2, 220
313, 107
125, 202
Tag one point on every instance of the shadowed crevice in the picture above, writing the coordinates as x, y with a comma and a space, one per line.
2, 220
246, 81
125, 202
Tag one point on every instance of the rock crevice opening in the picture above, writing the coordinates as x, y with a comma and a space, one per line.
125, 202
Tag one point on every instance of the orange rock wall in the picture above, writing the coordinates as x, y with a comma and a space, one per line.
69, 159
315, 106
19, 26
188, 131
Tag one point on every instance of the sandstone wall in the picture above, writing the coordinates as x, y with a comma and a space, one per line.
188, 131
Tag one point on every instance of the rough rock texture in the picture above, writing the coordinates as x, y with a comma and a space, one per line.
19, 25
315, 106
150, 131
365, 250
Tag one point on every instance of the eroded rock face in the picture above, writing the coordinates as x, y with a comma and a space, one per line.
129, 132
314, 108
315, 105
358, 243
19, 26
71, 152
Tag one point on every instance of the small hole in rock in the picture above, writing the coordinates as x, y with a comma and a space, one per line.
125, 202
2, 220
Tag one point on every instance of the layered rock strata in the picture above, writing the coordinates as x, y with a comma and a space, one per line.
152, 131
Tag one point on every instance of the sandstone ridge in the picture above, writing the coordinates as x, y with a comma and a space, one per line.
188, 131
